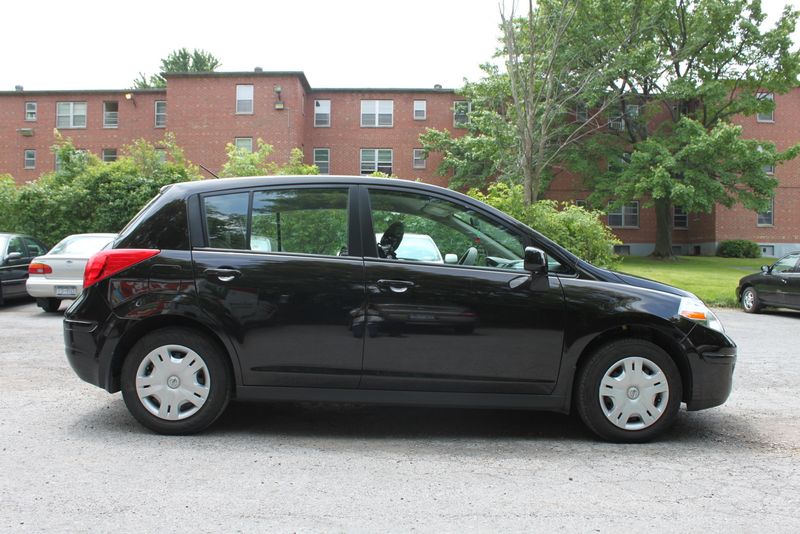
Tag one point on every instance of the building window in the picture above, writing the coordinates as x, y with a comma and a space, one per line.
581, 112
622, 250
581, 203
769, 169
71, 115
30, 158
632, 111
161, 114
376, 160
616, 123
109, 154
624, 216
419, 159
377, 113
322, 113
322, 159
244, 143
680, 219
420, 110
766, 116
161, 155
461, 111
30, 111
110, 114
244, 99
767, 218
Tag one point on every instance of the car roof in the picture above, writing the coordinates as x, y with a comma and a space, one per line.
204, 186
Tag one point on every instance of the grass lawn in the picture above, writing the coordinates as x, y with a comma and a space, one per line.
711, 278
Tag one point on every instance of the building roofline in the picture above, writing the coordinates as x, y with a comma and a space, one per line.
242, 74
383, 90
44, 92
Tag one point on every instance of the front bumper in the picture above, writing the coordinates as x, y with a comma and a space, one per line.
712, 361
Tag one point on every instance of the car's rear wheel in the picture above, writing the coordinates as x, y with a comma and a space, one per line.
176, 381
750, 301
629, 391
49, 305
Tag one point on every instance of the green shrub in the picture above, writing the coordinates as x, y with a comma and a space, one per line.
8, 201
580, 231
738, 248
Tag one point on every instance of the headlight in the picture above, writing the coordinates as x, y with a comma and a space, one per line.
694, 310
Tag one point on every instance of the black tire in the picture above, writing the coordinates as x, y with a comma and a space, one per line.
750, 301
609, 360
216, 374
50, 305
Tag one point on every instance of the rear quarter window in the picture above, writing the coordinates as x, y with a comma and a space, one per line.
160, 227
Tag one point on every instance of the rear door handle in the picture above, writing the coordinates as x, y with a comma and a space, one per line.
395, 286
223, 275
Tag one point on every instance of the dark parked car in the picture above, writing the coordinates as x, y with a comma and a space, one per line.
187, 310
776, 285
16, 253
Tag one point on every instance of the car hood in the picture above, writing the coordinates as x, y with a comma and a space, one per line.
636, 281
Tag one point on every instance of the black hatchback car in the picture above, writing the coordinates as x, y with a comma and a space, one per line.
276, 288
776, 285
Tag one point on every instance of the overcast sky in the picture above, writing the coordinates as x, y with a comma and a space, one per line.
90, 44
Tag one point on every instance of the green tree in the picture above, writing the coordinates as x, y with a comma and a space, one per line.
87, 195
180, 60
551, 96
243, 162
693, 66
9, 191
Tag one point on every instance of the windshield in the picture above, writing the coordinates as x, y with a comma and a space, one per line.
80, 245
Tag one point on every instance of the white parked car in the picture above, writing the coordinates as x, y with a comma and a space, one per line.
417, 247
58, 274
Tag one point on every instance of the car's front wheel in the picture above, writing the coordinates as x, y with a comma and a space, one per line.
50, 305
629, 391
176, 381
750, 300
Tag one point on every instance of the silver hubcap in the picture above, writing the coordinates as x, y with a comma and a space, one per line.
173, 382
748, 298
634, 393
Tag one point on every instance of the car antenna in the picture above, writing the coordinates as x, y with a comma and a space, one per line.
207, 170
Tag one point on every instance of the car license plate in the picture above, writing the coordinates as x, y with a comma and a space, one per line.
66, 291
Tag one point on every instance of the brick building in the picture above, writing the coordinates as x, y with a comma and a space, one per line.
349, 131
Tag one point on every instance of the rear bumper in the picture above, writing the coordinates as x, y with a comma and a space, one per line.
41, 287
80, 346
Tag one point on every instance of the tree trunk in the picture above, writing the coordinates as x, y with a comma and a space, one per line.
663, 230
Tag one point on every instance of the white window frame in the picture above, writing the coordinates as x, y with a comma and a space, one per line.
766, 117
770, 213
245, 143
71, 115
377, 108
420, 110
375, 160
326, 161
113, 115
104, 153
632, 111
321, 109
241, 98
456, 105
418, 159
679, 215
31, 111
626, 211
29, 158
160, 118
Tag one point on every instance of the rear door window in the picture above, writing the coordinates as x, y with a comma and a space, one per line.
226, 220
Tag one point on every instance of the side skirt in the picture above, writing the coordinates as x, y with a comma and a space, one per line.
554, 403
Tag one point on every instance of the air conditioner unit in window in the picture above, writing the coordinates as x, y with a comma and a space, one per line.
25, 132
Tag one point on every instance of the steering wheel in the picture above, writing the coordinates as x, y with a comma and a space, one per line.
469, 257
391, 239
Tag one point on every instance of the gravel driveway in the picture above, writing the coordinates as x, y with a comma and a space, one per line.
74, 460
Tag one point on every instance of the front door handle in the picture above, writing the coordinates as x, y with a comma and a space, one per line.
395, 286
223, 275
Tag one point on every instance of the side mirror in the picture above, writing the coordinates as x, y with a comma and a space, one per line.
451, 259
13, 256
535, 260
766, 269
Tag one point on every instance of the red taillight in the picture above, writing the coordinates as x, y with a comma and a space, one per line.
109, 262
39, 268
